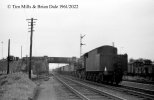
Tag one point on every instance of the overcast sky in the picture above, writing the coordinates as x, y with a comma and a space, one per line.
127, 23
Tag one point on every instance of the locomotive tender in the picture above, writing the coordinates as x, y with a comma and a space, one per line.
102, 64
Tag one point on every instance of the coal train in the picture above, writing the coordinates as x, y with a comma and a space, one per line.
102, 64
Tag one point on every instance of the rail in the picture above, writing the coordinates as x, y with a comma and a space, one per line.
76, 88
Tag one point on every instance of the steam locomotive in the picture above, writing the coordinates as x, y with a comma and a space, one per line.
102, 64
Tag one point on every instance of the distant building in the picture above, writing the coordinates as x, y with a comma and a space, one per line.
143, 67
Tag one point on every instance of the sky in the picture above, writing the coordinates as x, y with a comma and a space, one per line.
127, 23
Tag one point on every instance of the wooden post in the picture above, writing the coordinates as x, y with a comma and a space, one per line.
8, 58
31, 42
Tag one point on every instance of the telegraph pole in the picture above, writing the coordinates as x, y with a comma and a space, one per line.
21, 52
2, 49
8, 58
81, 44
31, 41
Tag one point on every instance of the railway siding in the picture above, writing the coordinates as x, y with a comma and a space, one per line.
121, 92
86, 90
148, 87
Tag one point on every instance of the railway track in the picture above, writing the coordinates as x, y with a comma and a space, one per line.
139, 93
141, 82
146, 92
149, 90
86, 92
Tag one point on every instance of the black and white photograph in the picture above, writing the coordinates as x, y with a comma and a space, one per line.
76, 49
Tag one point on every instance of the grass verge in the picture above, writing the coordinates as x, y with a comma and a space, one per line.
16, 86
